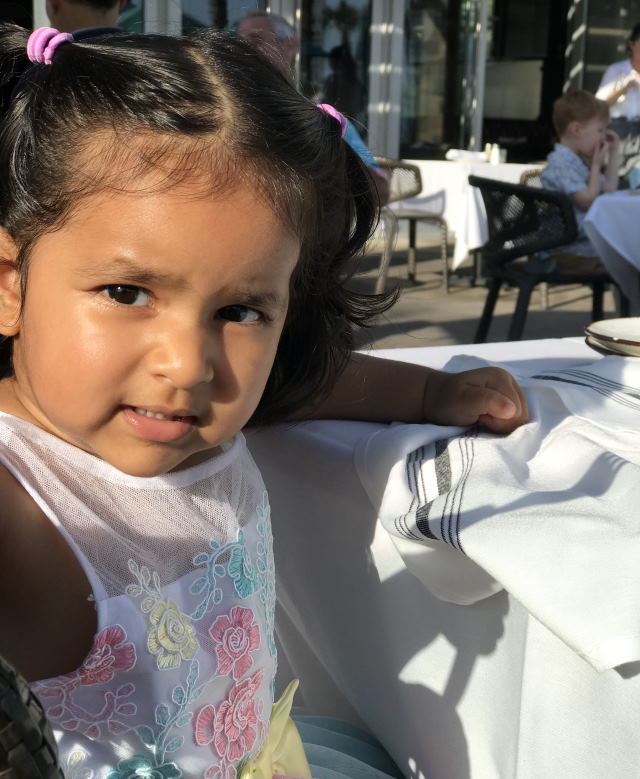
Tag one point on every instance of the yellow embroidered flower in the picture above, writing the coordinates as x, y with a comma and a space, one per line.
171, 636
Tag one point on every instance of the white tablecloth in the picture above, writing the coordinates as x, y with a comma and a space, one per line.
446, 191
454, 692
613, 226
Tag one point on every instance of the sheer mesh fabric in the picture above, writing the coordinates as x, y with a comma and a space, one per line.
160, 520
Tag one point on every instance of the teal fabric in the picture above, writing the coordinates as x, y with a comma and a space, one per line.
339, 750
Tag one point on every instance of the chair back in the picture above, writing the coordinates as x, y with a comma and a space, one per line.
523, 220
404, 178
532, 177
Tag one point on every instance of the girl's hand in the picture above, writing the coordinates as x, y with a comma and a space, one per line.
490, 396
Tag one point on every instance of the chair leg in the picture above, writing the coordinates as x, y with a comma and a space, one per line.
411, 255
624, 304
520, 314
544, 296
444, 249
597, 301
493, 290
390, 227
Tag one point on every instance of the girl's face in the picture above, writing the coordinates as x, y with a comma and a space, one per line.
150, 325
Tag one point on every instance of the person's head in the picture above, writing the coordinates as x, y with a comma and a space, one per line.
633, 43
272, 36
70, 15
177, 225
580, 120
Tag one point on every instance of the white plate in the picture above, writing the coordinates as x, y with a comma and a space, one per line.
618, 336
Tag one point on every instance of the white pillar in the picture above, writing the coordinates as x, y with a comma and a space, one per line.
385, 77
163, 16
477, 105
40, 18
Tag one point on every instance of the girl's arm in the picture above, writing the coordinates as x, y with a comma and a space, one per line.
379, 390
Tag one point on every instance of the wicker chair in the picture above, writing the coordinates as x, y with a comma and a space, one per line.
405, 181
523, 221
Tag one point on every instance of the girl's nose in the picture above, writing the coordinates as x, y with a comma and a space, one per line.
185, 357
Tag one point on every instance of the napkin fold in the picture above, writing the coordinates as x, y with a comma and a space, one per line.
551, 512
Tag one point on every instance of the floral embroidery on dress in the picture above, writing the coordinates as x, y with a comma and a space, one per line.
239, 569
170, 635
266, 568
110, 654
139, 766
231, 726
163, 741
236, 635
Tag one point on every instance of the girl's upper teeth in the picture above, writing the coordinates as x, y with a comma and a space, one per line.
154, 414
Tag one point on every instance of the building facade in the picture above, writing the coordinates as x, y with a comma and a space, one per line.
422, 76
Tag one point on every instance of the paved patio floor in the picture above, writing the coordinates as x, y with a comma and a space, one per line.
425, 316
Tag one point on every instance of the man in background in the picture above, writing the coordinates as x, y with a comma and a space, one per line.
275, 39
85, 18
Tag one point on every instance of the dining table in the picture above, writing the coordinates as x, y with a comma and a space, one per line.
446, 191
459, 675
612, 224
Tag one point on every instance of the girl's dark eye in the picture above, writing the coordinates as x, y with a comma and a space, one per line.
242, 314
127, 294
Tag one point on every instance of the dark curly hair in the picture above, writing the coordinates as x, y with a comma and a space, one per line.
184, 105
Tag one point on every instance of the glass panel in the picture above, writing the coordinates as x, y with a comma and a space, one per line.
131, 17
439, 75
220, 14
608, 27
334, 55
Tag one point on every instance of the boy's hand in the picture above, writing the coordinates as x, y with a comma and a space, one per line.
599, 154
613, 139
490, 396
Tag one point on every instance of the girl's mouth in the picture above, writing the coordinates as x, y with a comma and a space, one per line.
161, 426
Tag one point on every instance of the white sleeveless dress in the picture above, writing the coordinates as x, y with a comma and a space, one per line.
179, 681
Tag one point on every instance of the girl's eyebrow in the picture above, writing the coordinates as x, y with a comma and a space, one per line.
131, 272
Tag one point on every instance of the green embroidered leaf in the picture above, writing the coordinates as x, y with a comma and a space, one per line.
196, 693
174, 744
178, 695
184, 718
198, 585
193, 674
133, 567
162, 714
201, 558
145, 734
146, 576
156, 581
198, 613
134, 590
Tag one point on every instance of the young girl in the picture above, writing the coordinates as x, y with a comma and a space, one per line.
176, 225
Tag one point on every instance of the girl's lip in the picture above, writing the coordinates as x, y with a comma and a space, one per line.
160, 430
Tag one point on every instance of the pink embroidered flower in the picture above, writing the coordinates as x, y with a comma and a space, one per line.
204, 727
236, 718
108, 655
223, 771
236, 635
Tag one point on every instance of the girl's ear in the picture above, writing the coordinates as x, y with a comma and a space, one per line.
10, 295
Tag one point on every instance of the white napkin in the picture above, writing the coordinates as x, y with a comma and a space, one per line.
551, 512
465, 154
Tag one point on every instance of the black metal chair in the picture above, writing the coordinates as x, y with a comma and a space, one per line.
523, 221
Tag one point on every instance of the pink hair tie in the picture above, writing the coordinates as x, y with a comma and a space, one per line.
43, 43
329, 109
